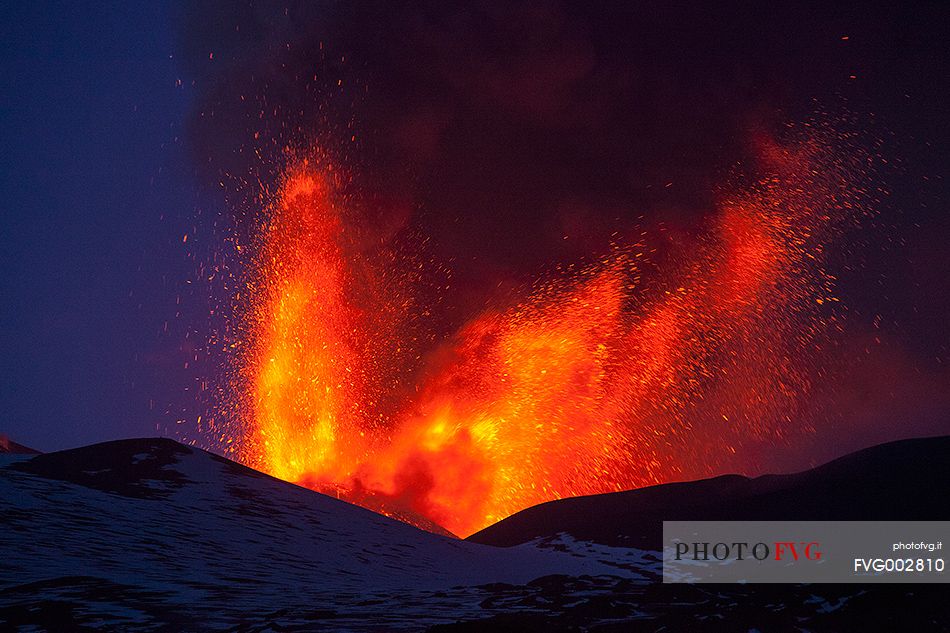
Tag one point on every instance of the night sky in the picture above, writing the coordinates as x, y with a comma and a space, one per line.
513, 138
95, 184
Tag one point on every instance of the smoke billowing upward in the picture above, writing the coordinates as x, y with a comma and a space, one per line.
645, 202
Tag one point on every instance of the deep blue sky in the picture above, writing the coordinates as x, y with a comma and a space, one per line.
95, 194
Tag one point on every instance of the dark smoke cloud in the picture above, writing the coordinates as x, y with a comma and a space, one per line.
505, 124
517, 135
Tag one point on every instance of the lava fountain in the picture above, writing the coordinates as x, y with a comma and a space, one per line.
596, 379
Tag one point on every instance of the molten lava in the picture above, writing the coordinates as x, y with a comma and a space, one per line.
608, 378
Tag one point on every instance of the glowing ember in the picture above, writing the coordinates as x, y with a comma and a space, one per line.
607, 378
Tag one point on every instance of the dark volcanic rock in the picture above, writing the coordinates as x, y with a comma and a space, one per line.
904, 480
132, 468
627, 608
9, 446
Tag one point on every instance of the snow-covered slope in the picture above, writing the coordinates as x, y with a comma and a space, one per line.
151, 535
147, 531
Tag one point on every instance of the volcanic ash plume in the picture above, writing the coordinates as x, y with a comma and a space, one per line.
594, 379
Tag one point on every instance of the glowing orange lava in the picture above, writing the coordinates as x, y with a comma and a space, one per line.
603, 379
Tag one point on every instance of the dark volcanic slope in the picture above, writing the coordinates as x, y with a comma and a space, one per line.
904, 480
9, 446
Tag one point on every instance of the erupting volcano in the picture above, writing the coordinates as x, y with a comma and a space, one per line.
601, 377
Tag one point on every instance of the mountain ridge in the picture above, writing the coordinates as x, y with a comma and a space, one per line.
900, 480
